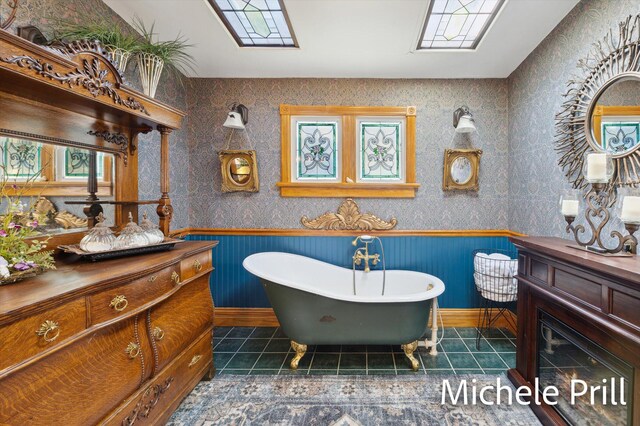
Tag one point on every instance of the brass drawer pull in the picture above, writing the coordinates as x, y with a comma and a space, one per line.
175, 277
119, 303
194, 360
152, 278
197, 265
133, 350
158, 333
49, 330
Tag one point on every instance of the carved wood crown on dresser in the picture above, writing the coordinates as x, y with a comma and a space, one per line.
115, 342
596, 296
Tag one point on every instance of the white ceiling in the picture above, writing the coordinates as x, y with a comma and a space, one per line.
351, 38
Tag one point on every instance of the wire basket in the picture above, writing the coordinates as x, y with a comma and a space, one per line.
494, 273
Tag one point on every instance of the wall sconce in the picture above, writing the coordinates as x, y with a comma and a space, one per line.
237, 117
463, 120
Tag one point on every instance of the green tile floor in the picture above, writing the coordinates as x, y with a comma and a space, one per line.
266, 350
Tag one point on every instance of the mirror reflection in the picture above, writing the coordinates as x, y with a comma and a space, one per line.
240, 170
461, 171
41, 177
615, 122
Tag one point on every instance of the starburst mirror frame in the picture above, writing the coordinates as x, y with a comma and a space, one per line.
615, 58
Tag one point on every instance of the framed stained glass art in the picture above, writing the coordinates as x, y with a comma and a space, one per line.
380, 148
316, 149
348, 151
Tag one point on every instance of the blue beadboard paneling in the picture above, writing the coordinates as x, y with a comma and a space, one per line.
448, 258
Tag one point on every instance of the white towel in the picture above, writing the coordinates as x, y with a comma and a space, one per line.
494, 276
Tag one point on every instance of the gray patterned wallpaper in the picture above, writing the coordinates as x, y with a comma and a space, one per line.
520, 181
535, 88
208, 102
44, 14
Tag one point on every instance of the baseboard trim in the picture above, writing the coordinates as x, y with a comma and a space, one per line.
265, 317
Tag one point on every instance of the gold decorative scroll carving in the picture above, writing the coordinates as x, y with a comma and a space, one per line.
349, 217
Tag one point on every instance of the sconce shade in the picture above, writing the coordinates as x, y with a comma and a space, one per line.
463, 120
234, 121
465, 125
237, 117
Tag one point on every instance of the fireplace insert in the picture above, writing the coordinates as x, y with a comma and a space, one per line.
594, 386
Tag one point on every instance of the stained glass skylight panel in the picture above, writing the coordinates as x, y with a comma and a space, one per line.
256, 23
457, 24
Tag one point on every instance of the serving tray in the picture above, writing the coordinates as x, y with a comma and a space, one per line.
167, 244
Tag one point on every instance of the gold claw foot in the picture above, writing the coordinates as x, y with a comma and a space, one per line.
300, 351
409, 349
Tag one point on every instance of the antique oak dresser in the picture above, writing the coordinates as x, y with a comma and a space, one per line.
116, 342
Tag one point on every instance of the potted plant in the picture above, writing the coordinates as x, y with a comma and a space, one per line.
153, 56
119, 44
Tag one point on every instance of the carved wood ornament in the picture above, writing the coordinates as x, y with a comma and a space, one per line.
349, 218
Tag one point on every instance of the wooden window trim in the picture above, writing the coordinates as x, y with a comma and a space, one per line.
606, 110
49, 186
349, 114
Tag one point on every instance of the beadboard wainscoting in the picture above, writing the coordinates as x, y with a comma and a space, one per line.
447, 257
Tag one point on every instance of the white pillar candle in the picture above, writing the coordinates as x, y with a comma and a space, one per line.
570, 207
630, 209
597, 167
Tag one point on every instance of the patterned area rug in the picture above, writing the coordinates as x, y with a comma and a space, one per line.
341, 401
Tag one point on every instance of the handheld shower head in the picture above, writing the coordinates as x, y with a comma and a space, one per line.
366, 238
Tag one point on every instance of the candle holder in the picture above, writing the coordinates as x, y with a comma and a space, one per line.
599, 199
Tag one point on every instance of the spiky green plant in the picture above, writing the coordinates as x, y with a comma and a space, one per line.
107, 33
172, 52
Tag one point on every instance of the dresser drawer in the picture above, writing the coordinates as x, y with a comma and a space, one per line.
180, 319
77, 384
31, 335
155, 403
116, 301
195, 264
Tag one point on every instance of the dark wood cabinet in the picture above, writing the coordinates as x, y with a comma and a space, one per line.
592, 302
126, 362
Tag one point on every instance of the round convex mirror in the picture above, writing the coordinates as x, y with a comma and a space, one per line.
461, 171
240, 170
615, 116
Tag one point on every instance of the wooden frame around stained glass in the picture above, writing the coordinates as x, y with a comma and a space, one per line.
347, 183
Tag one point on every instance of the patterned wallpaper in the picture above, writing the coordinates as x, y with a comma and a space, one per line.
43, 14
208, 102
535, 88
520, 180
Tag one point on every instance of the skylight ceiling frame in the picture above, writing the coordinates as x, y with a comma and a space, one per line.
479, 38
238, 39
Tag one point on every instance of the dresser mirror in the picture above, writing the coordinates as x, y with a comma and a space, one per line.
615, 116
601, 110
54, 179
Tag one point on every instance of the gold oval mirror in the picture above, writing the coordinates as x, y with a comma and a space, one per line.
461, 171
614, 124
239, 170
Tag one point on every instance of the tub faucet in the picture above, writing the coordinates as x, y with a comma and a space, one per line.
362, 253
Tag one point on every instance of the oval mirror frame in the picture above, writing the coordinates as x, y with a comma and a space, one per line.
611, 60
239, 163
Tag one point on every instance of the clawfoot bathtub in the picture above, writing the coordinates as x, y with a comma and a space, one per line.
316, 305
